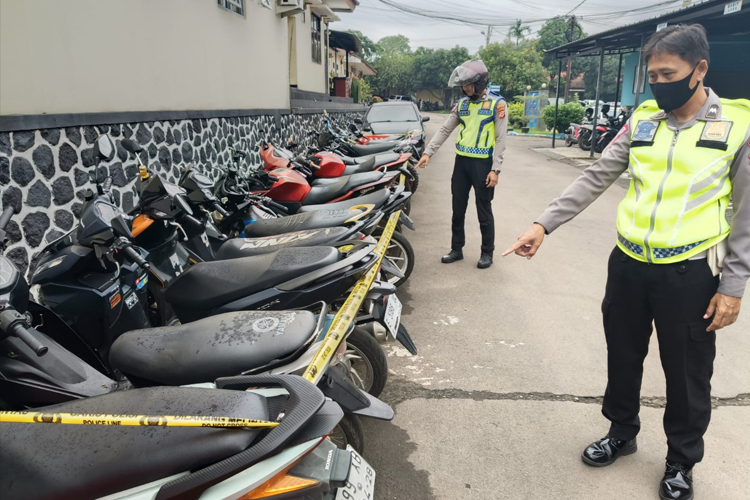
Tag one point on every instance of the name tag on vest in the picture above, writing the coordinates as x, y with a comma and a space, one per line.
644, 133
715, 135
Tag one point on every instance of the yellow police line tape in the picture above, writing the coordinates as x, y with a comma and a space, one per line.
32, 417
348, 312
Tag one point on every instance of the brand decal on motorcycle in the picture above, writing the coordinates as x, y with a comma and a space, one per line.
131, 300
141, 282
269, 305
265, 325
645, 131
367, 190
716, 131
328, 460
283, 240
175, 260
204, 237
114, 300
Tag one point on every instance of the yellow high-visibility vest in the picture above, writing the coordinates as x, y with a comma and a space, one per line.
476, 136
676, 205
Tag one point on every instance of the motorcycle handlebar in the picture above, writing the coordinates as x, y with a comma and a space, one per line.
5, 217
20, 332
133, 255
277, 206
217, 207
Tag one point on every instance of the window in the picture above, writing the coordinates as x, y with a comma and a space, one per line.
392, 113
640, 76
236, 6
316, 47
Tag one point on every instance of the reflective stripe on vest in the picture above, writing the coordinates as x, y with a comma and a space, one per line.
476, 136
676, 205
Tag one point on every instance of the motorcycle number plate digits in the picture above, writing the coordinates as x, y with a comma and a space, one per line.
393, 315
360, 485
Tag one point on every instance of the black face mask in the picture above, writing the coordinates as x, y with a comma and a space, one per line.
674, 95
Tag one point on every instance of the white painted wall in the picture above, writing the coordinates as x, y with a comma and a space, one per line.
87, 56
311, 76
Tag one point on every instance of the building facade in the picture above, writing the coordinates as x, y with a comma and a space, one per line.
187, 79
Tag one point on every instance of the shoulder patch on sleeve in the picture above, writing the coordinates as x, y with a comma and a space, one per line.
455, 108
501, 109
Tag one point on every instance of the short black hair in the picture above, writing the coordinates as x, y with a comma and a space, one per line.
689, 42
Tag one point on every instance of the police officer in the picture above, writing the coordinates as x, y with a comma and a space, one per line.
480, 148
688, 153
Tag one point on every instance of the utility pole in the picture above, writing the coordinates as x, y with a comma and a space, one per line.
489, 34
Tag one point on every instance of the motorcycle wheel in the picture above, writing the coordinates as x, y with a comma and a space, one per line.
568, 142
366, 362
584, 141
349, 431
401, 253
412, 184
602, 145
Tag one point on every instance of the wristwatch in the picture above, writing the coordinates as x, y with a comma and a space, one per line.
496, 170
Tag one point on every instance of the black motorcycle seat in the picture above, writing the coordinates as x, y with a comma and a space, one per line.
204, 350
371, 163
80, 462
373, 147
377, 198
299, 222
208, 285
325, 190
245, 247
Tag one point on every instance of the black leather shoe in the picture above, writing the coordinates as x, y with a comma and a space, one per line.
485, 260
453, 256
677, 483
605, 451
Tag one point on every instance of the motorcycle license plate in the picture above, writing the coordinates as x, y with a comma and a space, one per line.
393, 314
360, 485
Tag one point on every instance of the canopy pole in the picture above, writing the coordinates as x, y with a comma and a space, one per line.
617, 92
557, 103
596, 102
639, 77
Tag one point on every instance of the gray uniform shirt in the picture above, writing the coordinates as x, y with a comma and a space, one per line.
616, 159
501, 129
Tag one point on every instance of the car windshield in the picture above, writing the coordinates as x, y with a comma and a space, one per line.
392, 114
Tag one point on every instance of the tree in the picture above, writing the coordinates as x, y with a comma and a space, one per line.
609, 77
394, 72
570, 112
432, 68
514, 67
368, 46
397, 44
518, 31
557, 32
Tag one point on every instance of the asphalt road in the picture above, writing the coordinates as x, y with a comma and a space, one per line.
506, 390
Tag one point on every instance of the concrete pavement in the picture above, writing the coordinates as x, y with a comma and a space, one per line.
505, 391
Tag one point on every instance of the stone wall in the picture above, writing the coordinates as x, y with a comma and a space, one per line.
44, 173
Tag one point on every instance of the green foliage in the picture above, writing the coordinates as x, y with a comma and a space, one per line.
397, 44
516, 118
518, 31
514, 67
394, 72
567, 113
557, 32
368, 46
609, 77
432, 68
365, 92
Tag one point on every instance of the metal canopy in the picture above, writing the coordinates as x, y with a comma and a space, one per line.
346, 41
628, 38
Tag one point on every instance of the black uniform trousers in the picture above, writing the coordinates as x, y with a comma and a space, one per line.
467, 173
674, 297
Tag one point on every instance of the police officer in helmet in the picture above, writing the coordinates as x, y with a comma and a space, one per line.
688, 153
480, 148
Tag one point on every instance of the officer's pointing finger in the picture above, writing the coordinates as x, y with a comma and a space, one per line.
514, 247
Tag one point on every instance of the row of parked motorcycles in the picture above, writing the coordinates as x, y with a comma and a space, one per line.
206, 303
606, 129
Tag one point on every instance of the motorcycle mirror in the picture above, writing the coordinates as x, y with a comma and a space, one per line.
353, 127
182, 205
358, 121
103, 148
120, 227
131, 146
425, 118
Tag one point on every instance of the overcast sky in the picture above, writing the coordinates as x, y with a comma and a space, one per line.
377, 20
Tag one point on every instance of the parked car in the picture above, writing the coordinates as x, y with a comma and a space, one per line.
395, 117
401, 98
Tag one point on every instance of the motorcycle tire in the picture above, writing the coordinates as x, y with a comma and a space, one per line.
602, 145
584, 141
407, 207
412, 184
568, 142
349, 431
401, 254
366, 361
